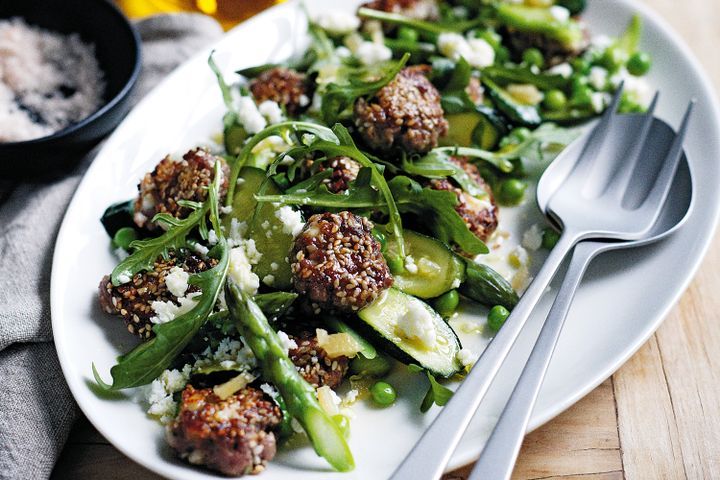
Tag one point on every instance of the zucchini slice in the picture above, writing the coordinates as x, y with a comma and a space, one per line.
395, 318
438, 271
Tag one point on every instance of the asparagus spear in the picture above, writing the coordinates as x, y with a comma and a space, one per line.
299, 396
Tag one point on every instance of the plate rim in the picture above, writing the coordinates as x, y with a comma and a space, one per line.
538, 418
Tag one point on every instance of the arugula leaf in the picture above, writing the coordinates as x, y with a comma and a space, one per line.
338, 97
507, 74
437, 394
437, 164
148, 360
431, 28
454, 98
224, 87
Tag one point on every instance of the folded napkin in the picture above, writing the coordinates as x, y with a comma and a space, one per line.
36, 408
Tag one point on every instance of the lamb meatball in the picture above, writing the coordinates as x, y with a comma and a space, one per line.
480, 215
344, 171
415, 9
404, 113
285, 86
233, 436
337, 264
133, 300
313, 363
172, 180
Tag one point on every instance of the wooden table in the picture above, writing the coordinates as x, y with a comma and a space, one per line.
657, 417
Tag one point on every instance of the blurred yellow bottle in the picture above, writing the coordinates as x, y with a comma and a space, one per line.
228, 12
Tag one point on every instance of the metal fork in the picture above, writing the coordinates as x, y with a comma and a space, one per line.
597, 200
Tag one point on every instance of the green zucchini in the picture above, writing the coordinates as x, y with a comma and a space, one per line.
480, 128
382, 321
541, 20
438, 269
117, 216
234, 137
485, 285
261, 219
518, 114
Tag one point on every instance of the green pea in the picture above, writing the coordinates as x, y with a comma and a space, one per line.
520, 134
579, 81
639, 64
344, 423
614, 58
407, 34
124, 237
582, 97
511, 191
395, 264
533, 56
580, 65
496, 318
383, 393
376, 367
550, 238
447, 303
555, 100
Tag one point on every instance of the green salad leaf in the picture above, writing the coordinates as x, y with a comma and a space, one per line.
429, 28
437, 164
437, 394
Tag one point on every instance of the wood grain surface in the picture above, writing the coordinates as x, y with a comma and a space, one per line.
658, 417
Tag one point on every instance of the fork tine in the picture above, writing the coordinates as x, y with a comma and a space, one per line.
661, 188
626, 170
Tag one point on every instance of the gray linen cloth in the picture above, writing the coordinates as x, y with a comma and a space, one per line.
36, 408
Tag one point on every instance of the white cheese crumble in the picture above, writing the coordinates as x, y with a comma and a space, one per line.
249, 116
370, 53
561, 14
159, 394
271, 111
121, 253
417, 324
476, 51
274, 266
410, 265
351, 397
237, 230
291, 219
565, 70
337, 22
269, 390
269, 280
230, 354
240, 271
176, 281
200, 248
286, 342
599, 101
467, 357
169, 311
226, 209
532, 238
598, 78
122, 278
518, 257
212, 237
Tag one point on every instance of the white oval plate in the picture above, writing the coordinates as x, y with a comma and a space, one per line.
624, 299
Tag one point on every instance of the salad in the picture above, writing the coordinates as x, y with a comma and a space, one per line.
353, 198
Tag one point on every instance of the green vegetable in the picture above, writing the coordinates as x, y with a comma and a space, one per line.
582, 97
380, 322
575, 6
149, 359
383, 394
485, 285
541, 20
550, 238
429, 28
525, 115
447, 303
497, 316
511, 191
639, 64
117, 216
555, 100
366, 348
124, 237
407, 33
396, 264
325, 435
275, 304
343, 423
376, 367
533, 56
437, 394
504, 74
480, 127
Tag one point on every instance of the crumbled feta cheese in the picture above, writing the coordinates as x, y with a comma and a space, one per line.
159, 393
637, 89
599, 100
286, 342
532, 238
343, 52
252, 252
249, 116
226, 209
271, 111
274, 266
337, 22
122, 278
601, 42
291, 219
476, 51
561, 14
370, 53
518, 257
598, 78
303, 101
200, 248
240, 271
212, 237
237, 230
351, 397
269, 390
176, 281
467, 357
565, 70
417, 324
410, 265
269, 280
168, 311
121, 253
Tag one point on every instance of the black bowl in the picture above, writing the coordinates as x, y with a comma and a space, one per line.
117, 48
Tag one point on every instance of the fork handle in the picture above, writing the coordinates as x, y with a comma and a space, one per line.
431, 454
501, 450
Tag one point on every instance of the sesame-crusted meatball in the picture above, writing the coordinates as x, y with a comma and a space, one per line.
404, 113
313, 363
415, 9
285, 86
337, 264
233, 436
480, 215
344, 171
133, 300
174, 180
